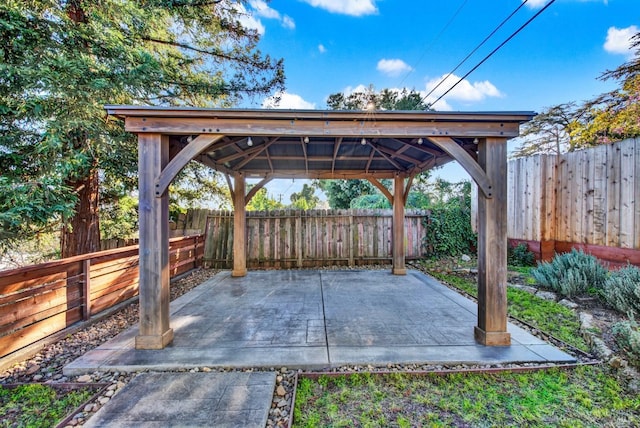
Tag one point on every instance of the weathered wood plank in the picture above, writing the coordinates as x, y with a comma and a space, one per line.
28, 335
613, 196
627, 194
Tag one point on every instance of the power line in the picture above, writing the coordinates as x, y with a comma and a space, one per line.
446, 26
476, 48
494, 51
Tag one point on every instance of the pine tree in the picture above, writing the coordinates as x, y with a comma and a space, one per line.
61, 61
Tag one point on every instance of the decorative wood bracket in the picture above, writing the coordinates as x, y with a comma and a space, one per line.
383, 189
256, 188
468, 163
184, 156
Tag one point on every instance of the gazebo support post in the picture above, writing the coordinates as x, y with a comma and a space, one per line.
153, 156
399, 267
239, 225
492, 246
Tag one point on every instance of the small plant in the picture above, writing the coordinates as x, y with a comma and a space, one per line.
627, 335
622, 290
571, 274
520, 255
38, 405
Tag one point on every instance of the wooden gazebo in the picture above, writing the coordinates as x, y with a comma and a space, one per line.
268, 144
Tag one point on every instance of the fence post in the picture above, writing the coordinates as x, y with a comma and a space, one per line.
351, 243
195, 252
299, 237
86, 289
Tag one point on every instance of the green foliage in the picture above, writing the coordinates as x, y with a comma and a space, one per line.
197, 186
305, 199
622, 290
377, 201
571, 274
262, 202
386, 99
448, 227
627, 336
613, 116
61, 61
520, 255
37, 405
120, 219
340, 193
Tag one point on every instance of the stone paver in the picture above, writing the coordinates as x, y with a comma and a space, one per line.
190, 400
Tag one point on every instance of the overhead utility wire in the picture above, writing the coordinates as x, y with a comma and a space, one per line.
475, 49
494, 51
433, 42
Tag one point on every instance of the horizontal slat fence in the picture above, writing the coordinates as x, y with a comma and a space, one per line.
38, 301
587, 199
294, 238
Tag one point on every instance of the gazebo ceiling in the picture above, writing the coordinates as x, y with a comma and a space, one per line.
321, 144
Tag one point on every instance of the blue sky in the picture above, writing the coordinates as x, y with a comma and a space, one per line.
333, 46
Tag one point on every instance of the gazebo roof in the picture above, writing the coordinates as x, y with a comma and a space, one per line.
321, 144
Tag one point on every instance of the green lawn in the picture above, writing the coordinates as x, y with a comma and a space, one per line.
584, 397
550, 317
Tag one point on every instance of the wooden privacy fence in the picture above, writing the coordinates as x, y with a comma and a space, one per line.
587, 199
38, 301
293, 238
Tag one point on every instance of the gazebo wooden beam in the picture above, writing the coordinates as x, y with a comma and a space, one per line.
154, 332
492, 246
180, 160
326, 128
398, 254
262, 148
387, 194
256, 188
336, 148
467, 162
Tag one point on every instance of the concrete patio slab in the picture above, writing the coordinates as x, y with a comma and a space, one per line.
231, 399
315, 319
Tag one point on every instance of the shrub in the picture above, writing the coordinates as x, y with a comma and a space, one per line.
520, 256
622, 290
627, 336
571, 273
448, 230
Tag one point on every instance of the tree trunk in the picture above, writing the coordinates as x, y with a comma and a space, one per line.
81, 234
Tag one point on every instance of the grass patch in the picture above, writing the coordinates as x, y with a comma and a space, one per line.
38, 405
584, 397
550, 317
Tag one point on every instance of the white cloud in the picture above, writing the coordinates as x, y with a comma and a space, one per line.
535, 4
263, 10
619, 40
259, 8
287, 22
393, 67
321, 48
287, 101
346, 7
465, 91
